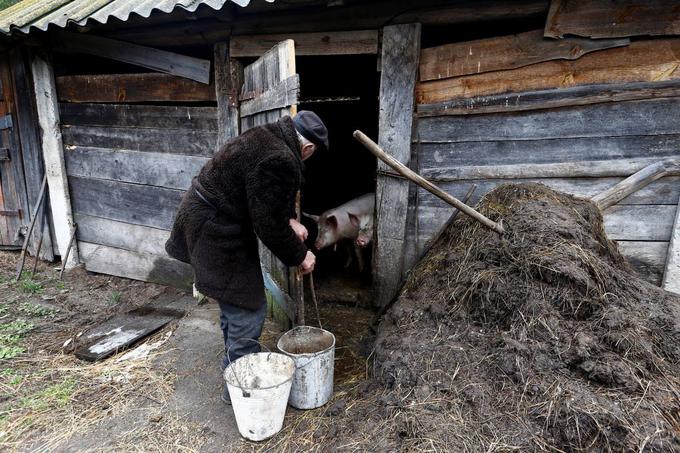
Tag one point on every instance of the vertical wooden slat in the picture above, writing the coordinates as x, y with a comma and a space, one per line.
25, 123
228, 79
671, 276
53, 155
400, 57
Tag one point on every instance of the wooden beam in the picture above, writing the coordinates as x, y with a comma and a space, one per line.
612, 18
671, 275
552, 98
281, 95
641, 61
53, 155
228, 81
505, 52
357, 42
400, 54
159, 60
123, 88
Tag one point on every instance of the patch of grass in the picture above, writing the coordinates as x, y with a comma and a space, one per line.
11, 335
29, 285
116, 297
58, 394
36, 310
60, 285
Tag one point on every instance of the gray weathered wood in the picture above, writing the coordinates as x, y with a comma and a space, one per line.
159, 60
671, 274
138, 266
355, 42
646, 257
4, 154
664, 191
644, 117
27, 125
132, 203
125, 115
52, 150
566, 150
121, 88
504, 52
122, 235
609, 18
155, 169
552, 98
637, 181
228, 80
399, 59
279, 96
6, 121
180, 141
596, 168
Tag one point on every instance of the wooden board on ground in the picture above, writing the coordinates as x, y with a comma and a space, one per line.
612, 18
641, 61
355, 42
122, 331
122, 88
504, 52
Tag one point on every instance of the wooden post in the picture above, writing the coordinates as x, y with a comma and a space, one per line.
671, 276
228, 81
400, 57
53, 155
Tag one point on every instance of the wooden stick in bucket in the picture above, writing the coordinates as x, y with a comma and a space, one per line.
424, 183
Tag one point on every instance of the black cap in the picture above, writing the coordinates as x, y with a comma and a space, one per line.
310, 126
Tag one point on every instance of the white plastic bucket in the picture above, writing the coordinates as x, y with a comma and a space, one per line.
259, 386
313, 350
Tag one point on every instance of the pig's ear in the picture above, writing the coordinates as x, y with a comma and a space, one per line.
332, 221
311, 216
353, 219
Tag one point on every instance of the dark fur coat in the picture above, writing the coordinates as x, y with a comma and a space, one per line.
248, 188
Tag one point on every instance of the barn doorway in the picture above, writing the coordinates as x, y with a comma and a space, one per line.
343, 91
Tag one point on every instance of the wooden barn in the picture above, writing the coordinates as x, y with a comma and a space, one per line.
121, 102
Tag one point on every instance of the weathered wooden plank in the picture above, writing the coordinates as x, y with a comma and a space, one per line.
121, 88
155, 169
6, 121
645, 117
552, 98
52, 151
281, 95
671, 274
356, 42
131, 203
646, 257
4, 154
609, 18
504, 52
626, 222
228, 81
125, 115
664, 191
137, 266
182, 141
159, 60
121, 235
400, 54
641, 61
591, 169
515, 152
26, 123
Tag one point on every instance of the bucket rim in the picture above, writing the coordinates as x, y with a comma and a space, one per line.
238, 386
306, 354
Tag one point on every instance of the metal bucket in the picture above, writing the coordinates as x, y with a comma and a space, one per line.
313, 351
259, 385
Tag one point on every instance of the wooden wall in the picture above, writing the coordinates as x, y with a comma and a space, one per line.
584, 126
128, 166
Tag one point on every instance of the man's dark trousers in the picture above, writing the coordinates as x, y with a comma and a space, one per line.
241, 329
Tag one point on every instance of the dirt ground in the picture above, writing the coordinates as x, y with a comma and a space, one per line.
166, 400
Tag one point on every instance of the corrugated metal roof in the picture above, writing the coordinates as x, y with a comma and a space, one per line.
40, 14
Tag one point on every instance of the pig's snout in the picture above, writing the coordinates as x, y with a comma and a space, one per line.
363, 242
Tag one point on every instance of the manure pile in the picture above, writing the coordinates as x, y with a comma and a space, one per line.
543, 339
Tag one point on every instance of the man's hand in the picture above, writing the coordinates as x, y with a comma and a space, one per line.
307, 265
300, 230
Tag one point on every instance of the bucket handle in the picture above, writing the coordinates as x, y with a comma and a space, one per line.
240, 386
